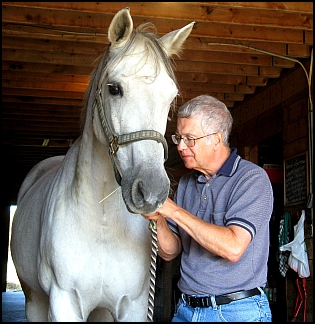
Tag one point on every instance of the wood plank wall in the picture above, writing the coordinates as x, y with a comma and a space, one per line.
281, 107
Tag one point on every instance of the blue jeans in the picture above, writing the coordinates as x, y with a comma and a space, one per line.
251, 309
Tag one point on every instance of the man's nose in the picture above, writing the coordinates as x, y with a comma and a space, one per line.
181, 145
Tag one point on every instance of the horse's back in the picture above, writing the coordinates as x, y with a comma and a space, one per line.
37, 172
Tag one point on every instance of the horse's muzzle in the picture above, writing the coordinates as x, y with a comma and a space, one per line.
145, 195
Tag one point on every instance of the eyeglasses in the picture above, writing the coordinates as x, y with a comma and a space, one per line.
189, 141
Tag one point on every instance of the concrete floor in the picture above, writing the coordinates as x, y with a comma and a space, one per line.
13, 306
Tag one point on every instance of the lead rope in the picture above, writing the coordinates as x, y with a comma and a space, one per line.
154, 250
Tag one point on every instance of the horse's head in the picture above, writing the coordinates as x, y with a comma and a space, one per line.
136, 88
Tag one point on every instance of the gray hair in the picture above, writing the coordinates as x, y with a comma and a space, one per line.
214, 115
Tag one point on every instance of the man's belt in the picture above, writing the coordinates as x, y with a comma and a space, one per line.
194, 301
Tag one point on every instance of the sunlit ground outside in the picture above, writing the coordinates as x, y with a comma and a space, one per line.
13, 282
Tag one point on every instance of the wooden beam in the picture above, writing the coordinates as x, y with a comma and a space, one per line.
29, 121
302, 7
96, 22
245, 89
37, 32
269, 72
282, 63
295, 50
22, 98
234, 96
211, 12
47, 130
32, 42
42, 110
199, 77
226, 57
71, 42
36, 76
219, 68
45, 85
38, 142
46, 68
16, 140
308, 36
60, 53
42, 93
186, 86
195, 49
73, 59
256, 81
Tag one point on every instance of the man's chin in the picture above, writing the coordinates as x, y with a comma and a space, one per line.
188, 165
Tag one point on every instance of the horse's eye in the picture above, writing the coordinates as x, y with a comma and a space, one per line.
115, 89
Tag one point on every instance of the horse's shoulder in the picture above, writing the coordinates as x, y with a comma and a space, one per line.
37, 172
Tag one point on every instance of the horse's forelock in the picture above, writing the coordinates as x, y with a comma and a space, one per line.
155, 51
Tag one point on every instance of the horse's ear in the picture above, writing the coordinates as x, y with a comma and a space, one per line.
174, 40
120, 28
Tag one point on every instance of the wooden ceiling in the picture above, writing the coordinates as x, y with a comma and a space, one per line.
49, 50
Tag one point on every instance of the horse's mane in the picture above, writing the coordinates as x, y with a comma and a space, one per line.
154, 51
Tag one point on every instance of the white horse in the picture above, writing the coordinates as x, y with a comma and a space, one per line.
80, 247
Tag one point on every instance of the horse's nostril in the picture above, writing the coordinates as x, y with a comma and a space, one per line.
138, 194
140, 185
144, 194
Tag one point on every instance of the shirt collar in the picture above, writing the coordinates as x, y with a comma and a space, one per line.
230, 165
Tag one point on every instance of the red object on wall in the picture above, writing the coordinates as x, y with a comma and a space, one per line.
275, 172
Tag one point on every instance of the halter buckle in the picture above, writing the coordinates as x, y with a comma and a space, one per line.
113, 145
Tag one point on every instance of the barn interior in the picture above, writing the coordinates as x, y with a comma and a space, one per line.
256, 57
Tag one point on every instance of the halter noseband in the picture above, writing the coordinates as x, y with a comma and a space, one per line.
116, 141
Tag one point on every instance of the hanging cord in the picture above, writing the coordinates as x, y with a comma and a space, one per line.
154, 250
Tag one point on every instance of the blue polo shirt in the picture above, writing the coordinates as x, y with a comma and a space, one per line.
239, 194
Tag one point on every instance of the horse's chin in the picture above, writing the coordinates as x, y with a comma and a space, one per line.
145, 210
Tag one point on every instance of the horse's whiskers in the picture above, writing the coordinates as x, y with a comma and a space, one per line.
109, 195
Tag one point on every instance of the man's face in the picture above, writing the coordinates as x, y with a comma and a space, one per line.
199, 156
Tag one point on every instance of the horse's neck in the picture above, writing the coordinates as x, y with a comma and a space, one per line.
94, 173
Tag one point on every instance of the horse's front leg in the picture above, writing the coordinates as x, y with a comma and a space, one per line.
66, 306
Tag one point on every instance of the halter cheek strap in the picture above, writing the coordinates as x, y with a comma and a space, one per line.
116, 141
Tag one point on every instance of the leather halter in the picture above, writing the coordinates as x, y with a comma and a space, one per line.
116, 141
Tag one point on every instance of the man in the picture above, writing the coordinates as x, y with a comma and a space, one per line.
219, 221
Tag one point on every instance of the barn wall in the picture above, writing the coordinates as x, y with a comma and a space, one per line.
280, 108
